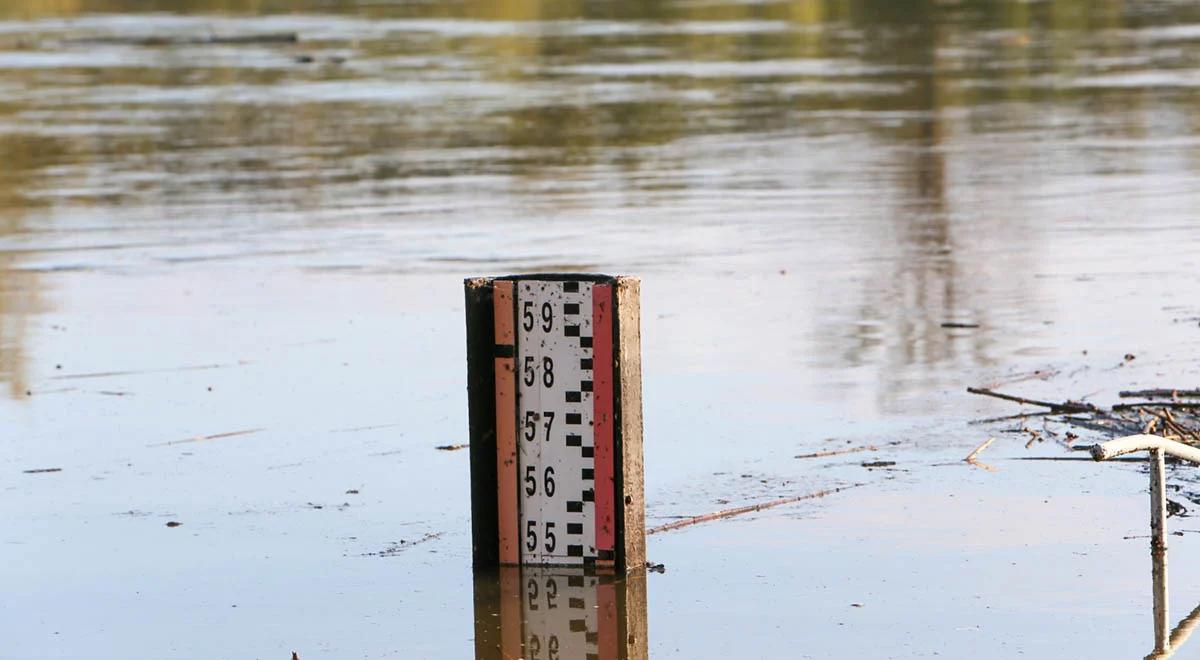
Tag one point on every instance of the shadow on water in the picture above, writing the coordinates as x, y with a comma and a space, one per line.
559, 614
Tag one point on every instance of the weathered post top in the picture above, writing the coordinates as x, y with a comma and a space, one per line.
554, 387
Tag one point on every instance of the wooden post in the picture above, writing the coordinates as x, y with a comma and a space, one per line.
1158, 501
481, 398
554, 388
631, 550
1158, 549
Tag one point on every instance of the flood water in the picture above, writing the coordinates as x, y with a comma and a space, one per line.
232, 242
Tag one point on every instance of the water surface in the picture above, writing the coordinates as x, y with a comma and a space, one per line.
253, 218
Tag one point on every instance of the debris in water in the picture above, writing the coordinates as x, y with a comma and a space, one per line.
878, 464
656, 568
1063, 407
452, 447
951, 324
972, 457
1159, 393
1178, 420
202, 438
396, 547
729, 513
837, 452
42, 470
109, 374
174, 524
1176, 509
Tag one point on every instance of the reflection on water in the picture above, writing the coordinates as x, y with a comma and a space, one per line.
20, 290
900, 159
1166, 644
559, 614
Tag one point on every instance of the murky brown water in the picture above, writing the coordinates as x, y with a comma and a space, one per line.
209, 228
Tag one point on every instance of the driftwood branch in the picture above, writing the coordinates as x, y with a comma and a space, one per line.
1156, 404
1158, 393
202, 438
750, 508
1135, 443
838, 452
983, 445
1062, 407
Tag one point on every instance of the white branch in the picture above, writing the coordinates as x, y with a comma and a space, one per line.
1133, 443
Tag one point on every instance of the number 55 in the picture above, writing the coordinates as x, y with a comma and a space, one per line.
530, 535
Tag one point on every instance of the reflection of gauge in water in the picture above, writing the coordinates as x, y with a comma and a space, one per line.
559, 613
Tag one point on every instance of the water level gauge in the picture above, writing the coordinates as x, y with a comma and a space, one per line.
556, 444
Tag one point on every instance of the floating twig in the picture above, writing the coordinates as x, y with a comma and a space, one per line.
750, 508
1181, 405
1008, 418
1065, 406
838, 452
983, 445
396, 547
202, 438
1075, 458
1158, 393
110, 374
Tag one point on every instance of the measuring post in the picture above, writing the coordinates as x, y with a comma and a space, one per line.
554, 387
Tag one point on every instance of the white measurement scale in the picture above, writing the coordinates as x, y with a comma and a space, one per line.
557, 506
556, 434
554, 384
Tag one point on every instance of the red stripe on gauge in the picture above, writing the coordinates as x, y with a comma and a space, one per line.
602, 398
